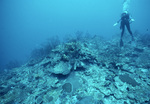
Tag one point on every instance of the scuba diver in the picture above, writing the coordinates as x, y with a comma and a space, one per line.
125, 21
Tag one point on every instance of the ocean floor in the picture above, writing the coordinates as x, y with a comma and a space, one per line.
84, 71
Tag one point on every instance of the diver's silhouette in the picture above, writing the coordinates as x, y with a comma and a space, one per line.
125, 21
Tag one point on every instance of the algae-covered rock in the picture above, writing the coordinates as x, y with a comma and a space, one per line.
4, 90
61, 68
39, 100
126, 78
54, 82
67, 87
88, 100
138, 50
48, 98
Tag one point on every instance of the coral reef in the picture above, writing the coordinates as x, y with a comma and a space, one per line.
87, 70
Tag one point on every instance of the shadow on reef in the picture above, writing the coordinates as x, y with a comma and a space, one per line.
82, 70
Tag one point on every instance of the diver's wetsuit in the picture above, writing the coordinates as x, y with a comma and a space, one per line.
125, 22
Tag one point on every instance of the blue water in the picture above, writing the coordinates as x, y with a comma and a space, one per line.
26, 24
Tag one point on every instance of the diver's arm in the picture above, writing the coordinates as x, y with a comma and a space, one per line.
117, 23
131, 19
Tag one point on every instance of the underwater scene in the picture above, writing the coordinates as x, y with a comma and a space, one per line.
74, 52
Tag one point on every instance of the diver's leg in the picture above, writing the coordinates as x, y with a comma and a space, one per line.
122, 27
129, 29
